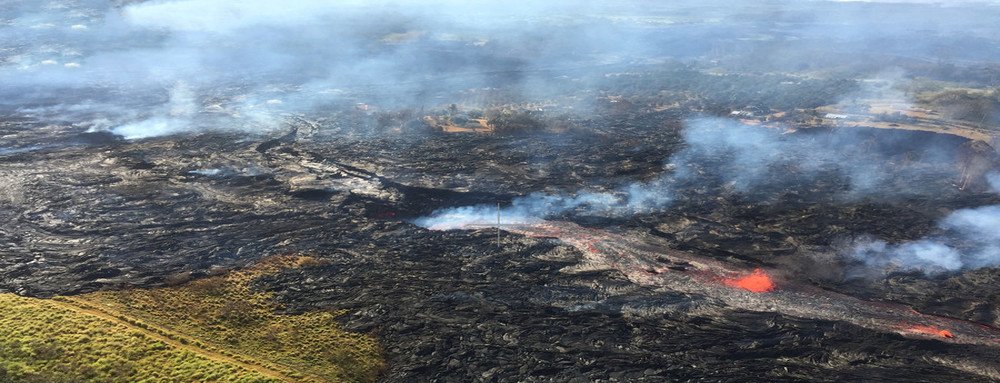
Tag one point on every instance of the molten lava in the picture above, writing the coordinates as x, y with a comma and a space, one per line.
931, 330
636, 256
758, 282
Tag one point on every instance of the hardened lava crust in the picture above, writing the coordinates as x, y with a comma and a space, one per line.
91, 212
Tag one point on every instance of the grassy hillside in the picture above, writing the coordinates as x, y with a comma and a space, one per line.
43, 341
215, 329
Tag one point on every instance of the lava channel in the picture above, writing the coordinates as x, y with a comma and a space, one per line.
758, 282
649, 261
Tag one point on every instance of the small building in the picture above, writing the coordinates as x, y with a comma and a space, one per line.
742, 113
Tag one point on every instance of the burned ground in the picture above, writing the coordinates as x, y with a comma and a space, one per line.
459, 309
92, 214
646, 158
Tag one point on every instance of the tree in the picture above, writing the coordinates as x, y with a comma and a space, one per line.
507, 121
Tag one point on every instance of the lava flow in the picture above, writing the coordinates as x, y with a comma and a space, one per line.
758, 282
930, 330
649, 261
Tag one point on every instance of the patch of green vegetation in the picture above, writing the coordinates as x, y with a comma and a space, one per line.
46, 342
211, 330
979, 106
226, 315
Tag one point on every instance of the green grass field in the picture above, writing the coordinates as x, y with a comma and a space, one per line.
209, 330
41, 341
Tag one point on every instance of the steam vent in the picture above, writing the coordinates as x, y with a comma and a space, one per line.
449, 191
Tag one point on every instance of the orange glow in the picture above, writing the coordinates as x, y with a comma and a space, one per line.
930, 330
758, 281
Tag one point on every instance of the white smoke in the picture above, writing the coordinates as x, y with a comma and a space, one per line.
225, 16
974, 243
182, 113
993, 179
113, 58
632, 199
176, 118
743, 156
110, 55
925, 255
747, 157
152, 127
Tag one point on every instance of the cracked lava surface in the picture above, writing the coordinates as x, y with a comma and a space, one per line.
645, 260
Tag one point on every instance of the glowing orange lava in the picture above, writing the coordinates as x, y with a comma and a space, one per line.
758, 282
931, 330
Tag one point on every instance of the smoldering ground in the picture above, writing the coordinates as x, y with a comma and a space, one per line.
762, 163
145, 69
743, 158
258, 60
117, 66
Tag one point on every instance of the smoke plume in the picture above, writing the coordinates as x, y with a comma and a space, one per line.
174, 118
747, 159
972, 241
742, 158
117, 67
257, 61
993, 179
632, 199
